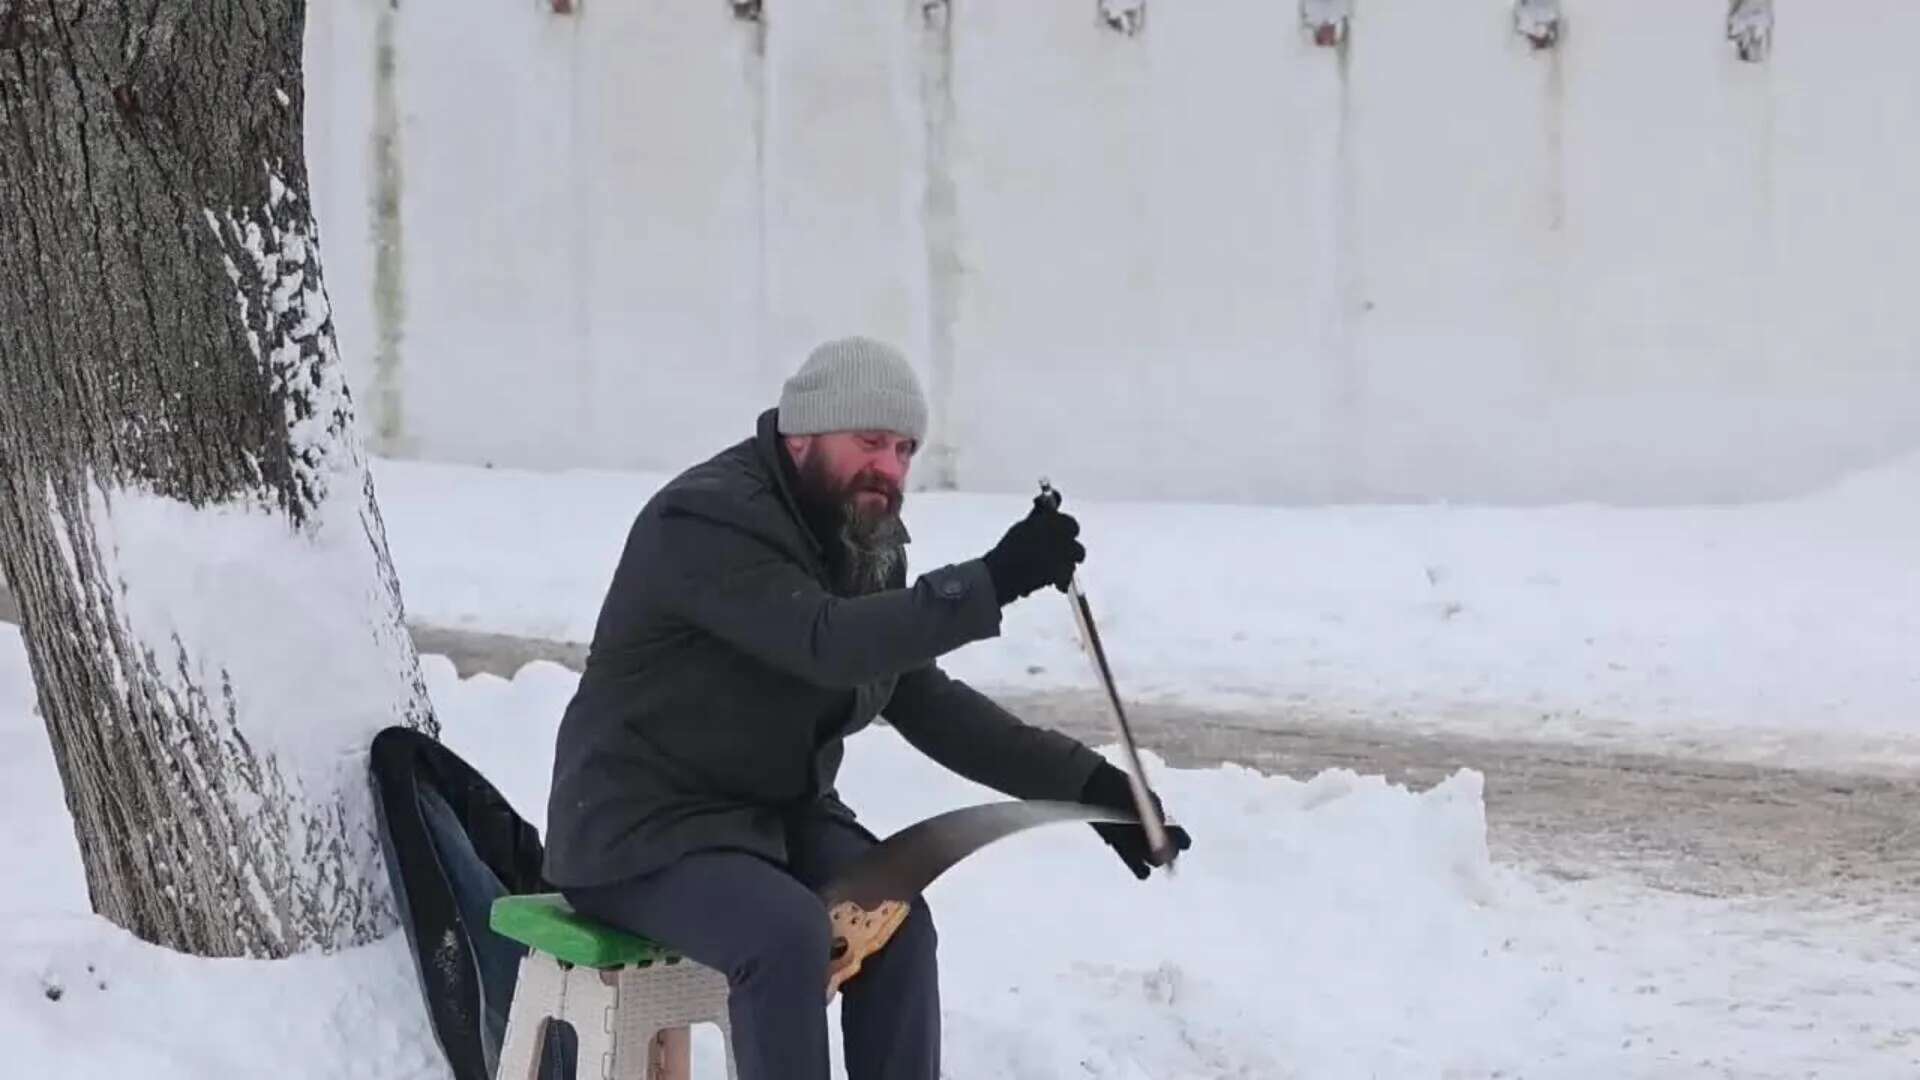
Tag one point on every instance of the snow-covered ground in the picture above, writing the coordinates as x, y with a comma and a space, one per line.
1784, 632
1334, 928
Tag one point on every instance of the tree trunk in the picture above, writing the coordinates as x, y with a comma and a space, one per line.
186, 518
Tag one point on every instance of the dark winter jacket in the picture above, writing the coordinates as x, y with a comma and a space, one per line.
724, 675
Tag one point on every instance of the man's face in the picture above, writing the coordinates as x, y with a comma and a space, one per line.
864, 472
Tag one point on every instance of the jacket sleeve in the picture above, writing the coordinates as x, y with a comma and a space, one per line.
745, 590
963, 730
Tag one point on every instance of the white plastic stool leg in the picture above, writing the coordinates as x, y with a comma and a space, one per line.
615, 1015
547, 993
537, 996
662, 997
592, 1007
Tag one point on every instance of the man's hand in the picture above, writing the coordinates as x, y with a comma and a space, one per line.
1039, 550
1108, 787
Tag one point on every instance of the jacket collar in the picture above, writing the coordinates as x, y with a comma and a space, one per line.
779, 466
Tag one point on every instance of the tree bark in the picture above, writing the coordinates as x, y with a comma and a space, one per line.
186, 517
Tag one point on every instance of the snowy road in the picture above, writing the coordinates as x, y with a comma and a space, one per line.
1682, 824
1694, 826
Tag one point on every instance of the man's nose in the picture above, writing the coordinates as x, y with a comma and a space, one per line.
891, 466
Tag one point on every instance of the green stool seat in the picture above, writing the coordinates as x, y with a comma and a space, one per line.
545, 922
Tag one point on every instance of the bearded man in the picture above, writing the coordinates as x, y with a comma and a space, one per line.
759, 615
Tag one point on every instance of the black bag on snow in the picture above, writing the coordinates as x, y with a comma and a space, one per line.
453, 845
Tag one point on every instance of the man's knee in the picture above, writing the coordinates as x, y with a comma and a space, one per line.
918, 931
792, 940
905, 974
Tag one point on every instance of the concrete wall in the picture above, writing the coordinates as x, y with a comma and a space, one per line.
1210, 261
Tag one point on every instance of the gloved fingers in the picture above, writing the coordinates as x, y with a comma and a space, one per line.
1063, 577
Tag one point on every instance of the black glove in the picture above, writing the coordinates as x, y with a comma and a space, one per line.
1108, 787
1039, 550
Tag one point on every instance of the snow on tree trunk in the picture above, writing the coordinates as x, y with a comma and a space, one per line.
186, 518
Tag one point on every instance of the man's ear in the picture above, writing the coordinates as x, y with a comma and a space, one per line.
797, 446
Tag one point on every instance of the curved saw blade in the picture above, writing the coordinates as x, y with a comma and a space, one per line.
900, 867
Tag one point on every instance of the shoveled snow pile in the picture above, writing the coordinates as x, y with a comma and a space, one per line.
1337, 927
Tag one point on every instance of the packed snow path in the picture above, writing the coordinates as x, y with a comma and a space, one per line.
1695, 826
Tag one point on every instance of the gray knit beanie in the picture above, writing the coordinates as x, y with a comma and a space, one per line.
854, 384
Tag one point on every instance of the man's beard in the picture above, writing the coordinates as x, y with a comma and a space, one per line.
867, 546
872, 548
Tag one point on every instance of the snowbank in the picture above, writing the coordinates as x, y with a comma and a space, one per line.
1317, 926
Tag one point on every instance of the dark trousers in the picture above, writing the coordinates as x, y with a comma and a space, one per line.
766, 929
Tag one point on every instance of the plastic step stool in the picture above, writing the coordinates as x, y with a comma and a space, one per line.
628, 999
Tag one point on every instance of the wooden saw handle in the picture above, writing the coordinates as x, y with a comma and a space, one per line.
858, 934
